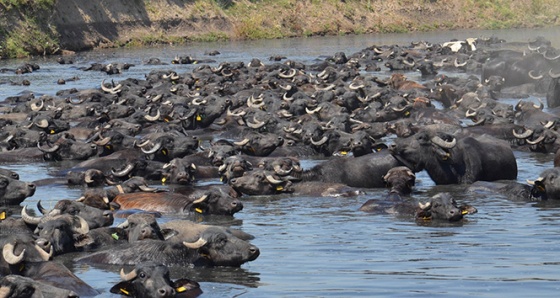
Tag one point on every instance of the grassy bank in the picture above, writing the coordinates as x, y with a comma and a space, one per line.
42, 27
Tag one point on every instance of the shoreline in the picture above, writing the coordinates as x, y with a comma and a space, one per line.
51, 27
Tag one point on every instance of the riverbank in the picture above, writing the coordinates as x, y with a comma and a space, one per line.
46, 27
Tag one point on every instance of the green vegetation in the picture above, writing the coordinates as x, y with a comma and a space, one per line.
28, 27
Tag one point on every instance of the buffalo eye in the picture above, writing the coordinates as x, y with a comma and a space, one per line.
142, 275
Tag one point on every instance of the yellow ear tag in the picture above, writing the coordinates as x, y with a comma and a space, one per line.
198, 118
164, 151
124, 292
426, 218
407, 113
52, 131
22, 267
2, 215
115, 236
195, 62
109, 147
279, 188
198, 210
166, 119
163, 180
221, 179
464, 212
343, 152
180, 289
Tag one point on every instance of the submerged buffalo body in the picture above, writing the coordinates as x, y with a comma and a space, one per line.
151, 279
366, 171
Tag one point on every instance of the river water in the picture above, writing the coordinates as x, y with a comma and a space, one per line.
323, 246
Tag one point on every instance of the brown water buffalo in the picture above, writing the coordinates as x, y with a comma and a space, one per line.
151, 279
194, 200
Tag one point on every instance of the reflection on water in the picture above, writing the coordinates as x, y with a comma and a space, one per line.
325, 247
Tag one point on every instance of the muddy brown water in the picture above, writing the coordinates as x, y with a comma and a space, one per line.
324, 246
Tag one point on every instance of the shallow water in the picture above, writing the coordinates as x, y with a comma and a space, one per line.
325, 247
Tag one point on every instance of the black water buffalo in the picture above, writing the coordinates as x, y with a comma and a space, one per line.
213, 200
56, 274
456, 160
20, 250
547, 185
17, 286
151, 279
13, 191
65, 232
262, 182
140, 226
365, 171
95, 217
400, 180
213, 248
443, 207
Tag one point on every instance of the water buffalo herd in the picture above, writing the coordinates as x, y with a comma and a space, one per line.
370, 119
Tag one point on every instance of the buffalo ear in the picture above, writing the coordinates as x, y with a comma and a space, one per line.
168, 233
81, 240
124, 288
424, 215
186, 288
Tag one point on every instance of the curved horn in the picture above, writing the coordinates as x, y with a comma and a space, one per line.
470, 113
83, 228
48, 150
128, 276
534, 142
273, 180
424, 206
129, 167
444, 144
29, 219
549, 124
291, 73
10, 256
43, 123
147, 188
200, 200
35, 107
43, 253
242, 143
535, 77
354, 86
315, 110
457, 64
550, 58
278, 169
411, 64
553, 75
322, 141
153, 118
195, 245
113, 90
153, 150
256, 124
